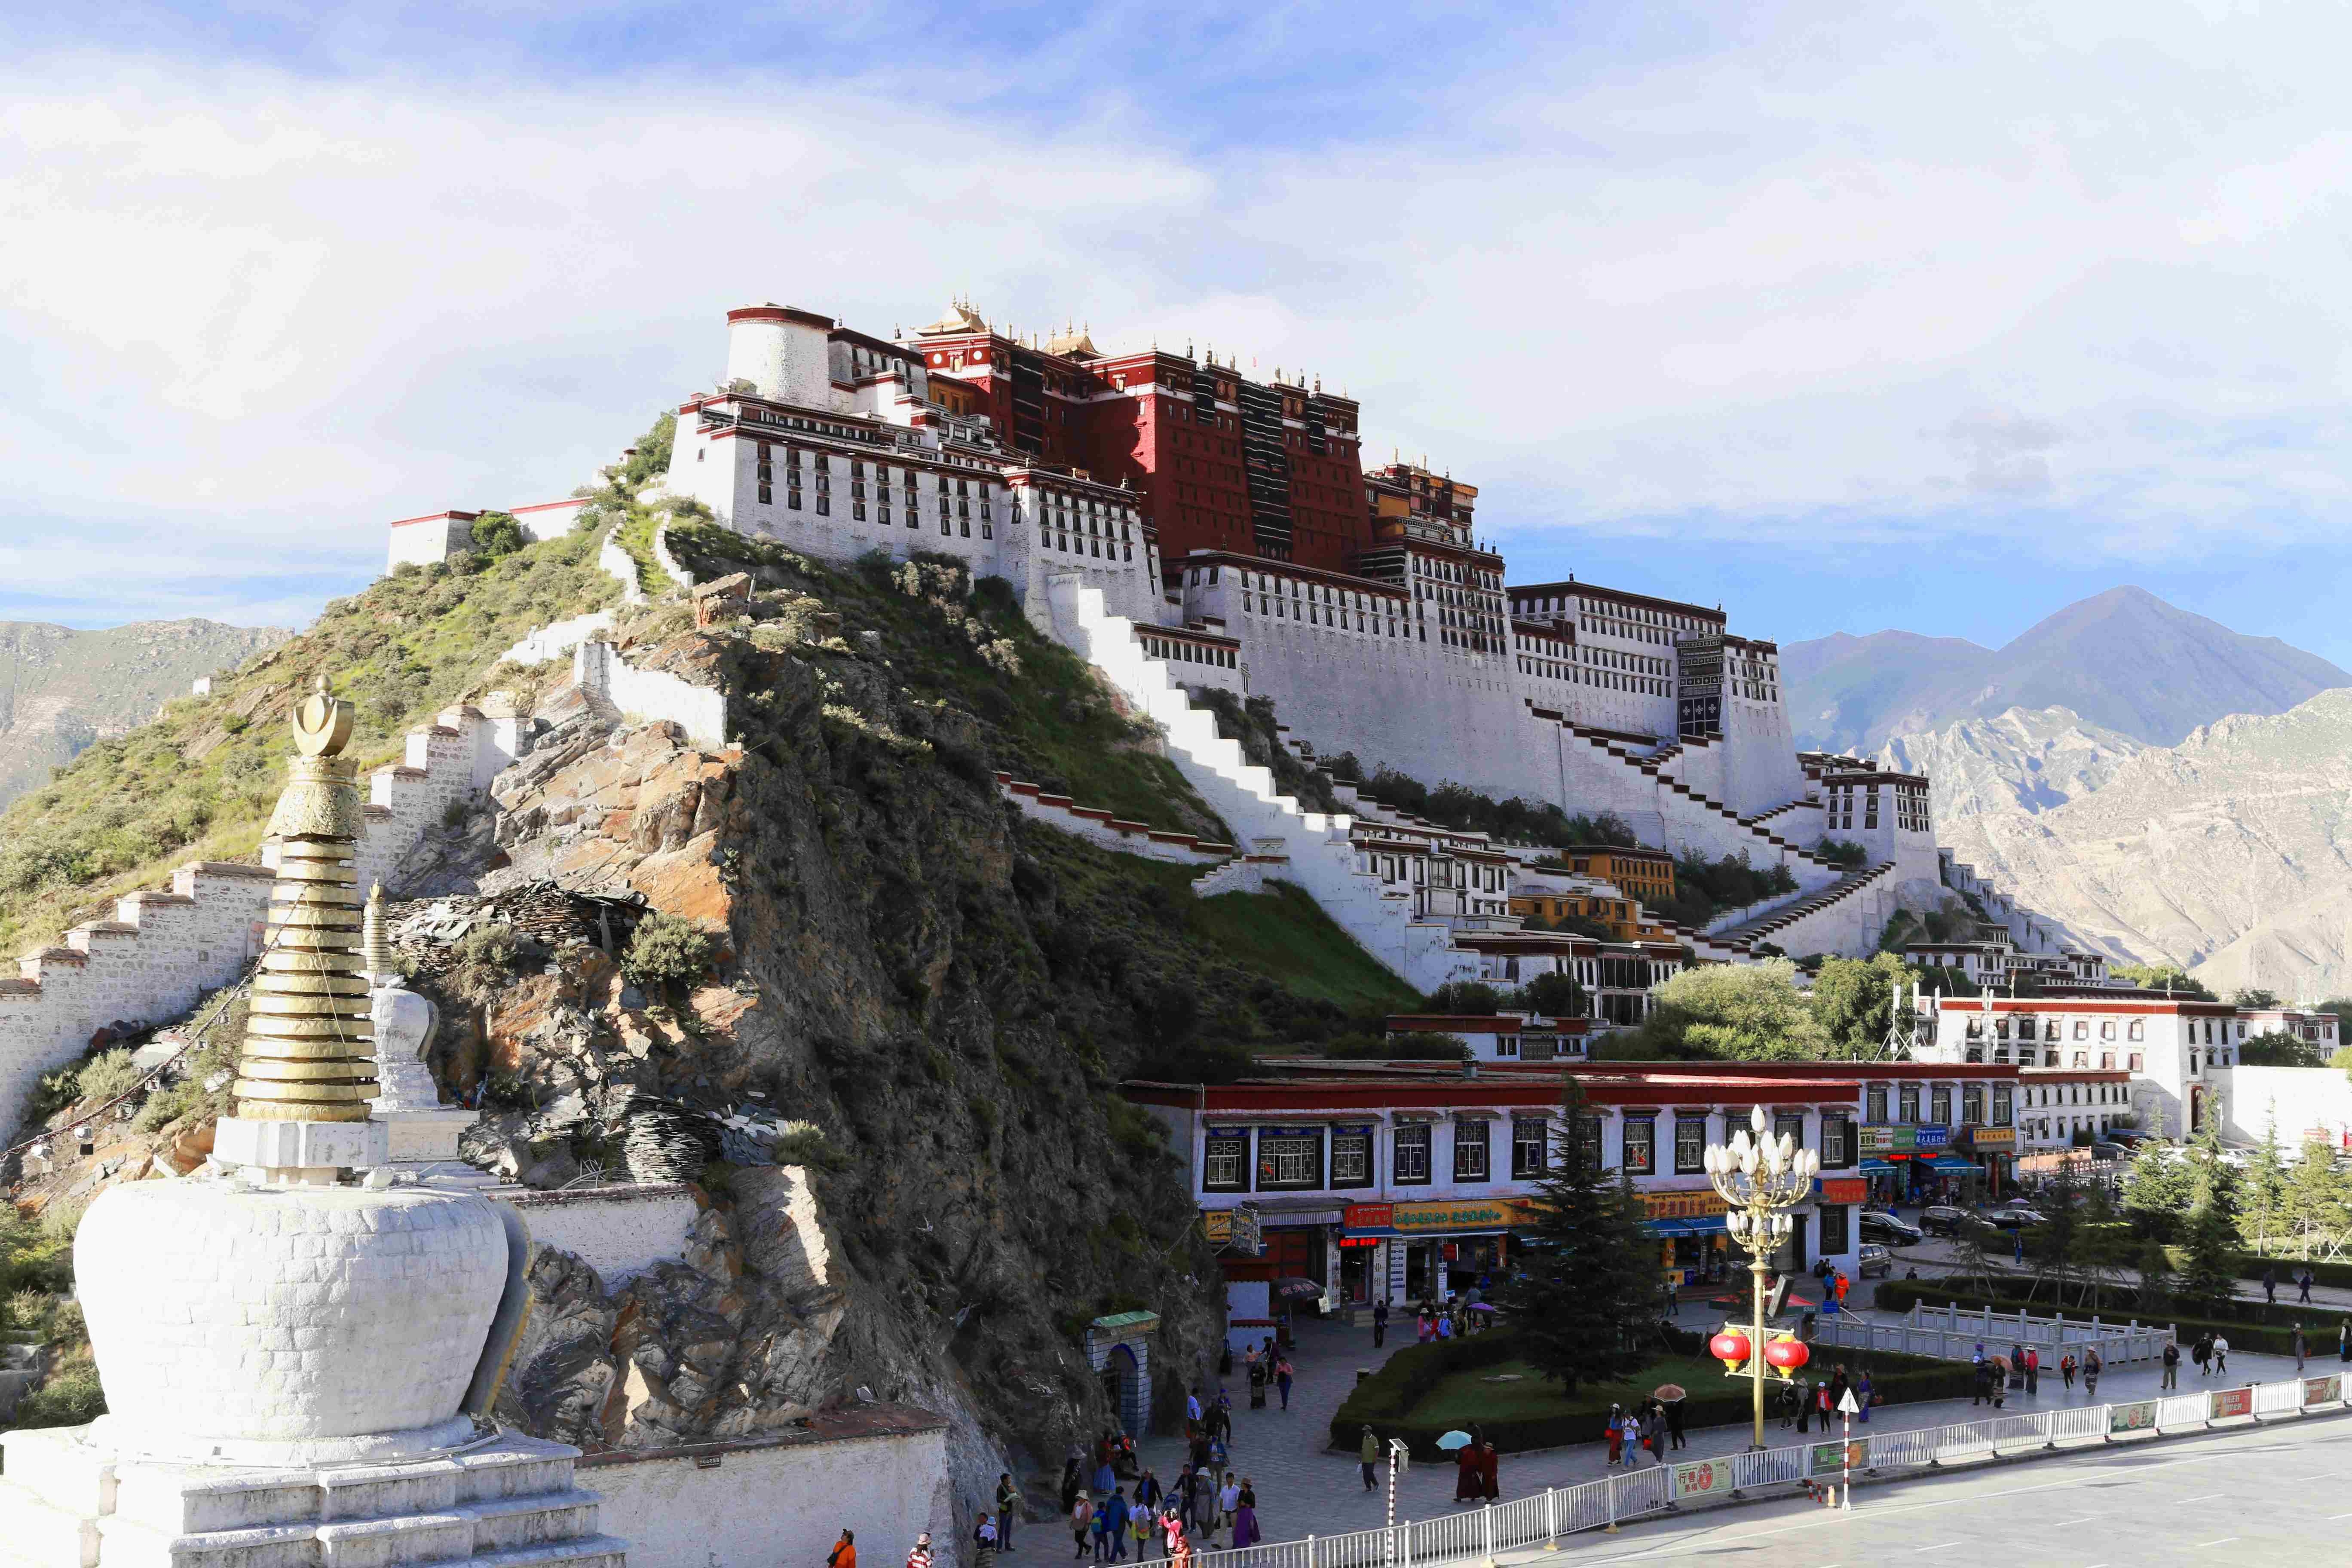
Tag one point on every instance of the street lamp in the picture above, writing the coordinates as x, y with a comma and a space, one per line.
1762, 1179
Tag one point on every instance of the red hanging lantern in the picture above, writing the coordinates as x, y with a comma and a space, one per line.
1731, 1347
1788, 1354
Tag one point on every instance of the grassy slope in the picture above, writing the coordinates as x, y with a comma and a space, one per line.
127, 810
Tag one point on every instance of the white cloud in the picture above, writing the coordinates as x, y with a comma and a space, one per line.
1837, 269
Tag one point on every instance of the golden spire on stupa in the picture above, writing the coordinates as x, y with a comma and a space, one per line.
309, 1053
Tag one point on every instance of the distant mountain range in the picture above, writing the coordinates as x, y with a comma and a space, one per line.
61, 690
2122, 662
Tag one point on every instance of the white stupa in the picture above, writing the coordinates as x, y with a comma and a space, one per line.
300, 1345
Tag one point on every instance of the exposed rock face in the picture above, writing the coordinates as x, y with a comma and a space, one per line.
2231, 852
2016, 762
960, 1187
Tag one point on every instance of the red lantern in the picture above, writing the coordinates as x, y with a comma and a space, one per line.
1788, 1354
1729, 1347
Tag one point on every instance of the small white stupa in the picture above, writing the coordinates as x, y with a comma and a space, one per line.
421, 1133
300, 1348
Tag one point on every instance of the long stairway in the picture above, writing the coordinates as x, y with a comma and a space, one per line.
1270, 830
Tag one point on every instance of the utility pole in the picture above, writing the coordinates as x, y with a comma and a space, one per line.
1399, 1457
1846, 1407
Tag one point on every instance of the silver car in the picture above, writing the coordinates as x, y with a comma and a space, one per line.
1875, 1259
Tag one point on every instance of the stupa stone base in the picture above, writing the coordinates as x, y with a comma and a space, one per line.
506, 1501
311, 1150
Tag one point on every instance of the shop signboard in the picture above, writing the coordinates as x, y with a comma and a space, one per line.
1840, 1189
1433, 1219
1683, 1205
1219, 1226
1991, 1139
2321, 1390
1884, 1139
2139, 1415
1702, 1478
2228, 1402
1830, 1458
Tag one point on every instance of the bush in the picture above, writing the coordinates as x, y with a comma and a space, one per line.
106, 1076
486, 956
664, 951
68, 1399
496, 533
1386, 1400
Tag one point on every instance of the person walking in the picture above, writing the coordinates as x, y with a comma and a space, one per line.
1283, 1374
2202, 1353
2092, 1367
1490, 1467
2032, 1370
1245, 1530
1467, 1486
1113, 1515
1008, 1503
1082, 1524
1143, 1524
1804, 1405
1229, 1502
1381, 1323
2302, 1347
920, 1557
1981, 1370
2221, 1355
2171, 1365
1368, 1455
1615, 1432
2344, 1341
2270, 1285
1863, 1394
983, 1542
844, 1551
1675, 1423
1192, 1410
2302, 1288
2066, 1370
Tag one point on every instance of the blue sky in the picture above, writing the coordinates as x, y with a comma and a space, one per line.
1848, 316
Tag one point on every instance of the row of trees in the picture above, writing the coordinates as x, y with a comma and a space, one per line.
1755, 1012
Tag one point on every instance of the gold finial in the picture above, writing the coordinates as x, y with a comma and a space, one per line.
309, 1053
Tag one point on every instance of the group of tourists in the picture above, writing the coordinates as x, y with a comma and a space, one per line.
1654, 1426
1804, 1402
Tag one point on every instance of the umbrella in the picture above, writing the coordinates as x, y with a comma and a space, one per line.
1454, 1440
1296, 1289
1480, 1307
1668, 1390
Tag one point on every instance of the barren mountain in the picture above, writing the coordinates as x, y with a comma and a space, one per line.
60, 688
2231, 852
2123, 661
2019, 760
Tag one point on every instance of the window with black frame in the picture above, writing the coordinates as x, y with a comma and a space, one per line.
1289, 1159
1641, 1145
1530, 1147
1470, 1150
1908, 1099
1972, 1104
1409, 1156
1789, 1124
1837, 1142
1690, 1145
1351, 1156
1834, 1218
1224, 1162
1874, 1105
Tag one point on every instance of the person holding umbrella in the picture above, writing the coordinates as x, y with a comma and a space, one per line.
1670, 1397
1468, 1484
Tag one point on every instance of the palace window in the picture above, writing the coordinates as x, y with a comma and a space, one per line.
1790, 1123
1409, 1155
1910, 1102
1834, 1219
1352, 1157
1972, 1104
2000, 1105
1293, 1159
1641, 1146
1875, 1104
1690, 1145
1837, 1142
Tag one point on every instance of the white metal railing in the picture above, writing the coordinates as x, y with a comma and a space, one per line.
1946, 1344
2135, 1341
1592, 1505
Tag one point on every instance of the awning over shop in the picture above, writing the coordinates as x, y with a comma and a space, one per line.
1954, 1163
1703, 1224
1877, 1167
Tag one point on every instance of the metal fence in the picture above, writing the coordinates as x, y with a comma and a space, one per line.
2114, 1345
1660, 1488
2133, 1339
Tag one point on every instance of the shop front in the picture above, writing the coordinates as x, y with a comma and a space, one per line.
1992, 1156
1693, 1236
1260, 1246
1426, 1252
1898, 1160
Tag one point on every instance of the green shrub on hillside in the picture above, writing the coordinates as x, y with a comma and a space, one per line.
666, 951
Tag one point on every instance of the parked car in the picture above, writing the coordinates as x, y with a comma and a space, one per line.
1942, 1219
2130, 1137
2016, 1217
1876, 1260
1889, 1230
2112, 1151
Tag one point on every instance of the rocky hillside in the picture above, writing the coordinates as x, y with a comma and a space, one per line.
2231, 852
2015, 761
2123, 661
827, 975
60, 688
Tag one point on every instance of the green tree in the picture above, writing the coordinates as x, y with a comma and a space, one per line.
496, 533
2208, 1266
2156, 1192
2056, 1247
2254, 996
2168, 977
1464, 998
2277, 1048
1553, 996
2263, 1196
1745, 1011
2154, 1277
2318, 1199
1853, 1002
1591, 1276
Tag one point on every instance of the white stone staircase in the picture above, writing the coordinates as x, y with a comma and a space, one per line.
1310, 849
508, 1502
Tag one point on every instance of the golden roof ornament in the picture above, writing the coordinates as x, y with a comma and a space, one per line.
309, 1053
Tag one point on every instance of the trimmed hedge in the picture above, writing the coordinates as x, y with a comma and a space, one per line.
1386, 1401
2252, 1264
2249, 1326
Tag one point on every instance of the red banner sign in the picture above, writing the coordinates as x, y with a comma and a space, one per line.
2228, 1402
1847, 1190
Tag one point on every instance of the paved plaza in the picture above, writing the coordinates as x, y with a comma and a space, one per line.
1304, 1488
2269, 1495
